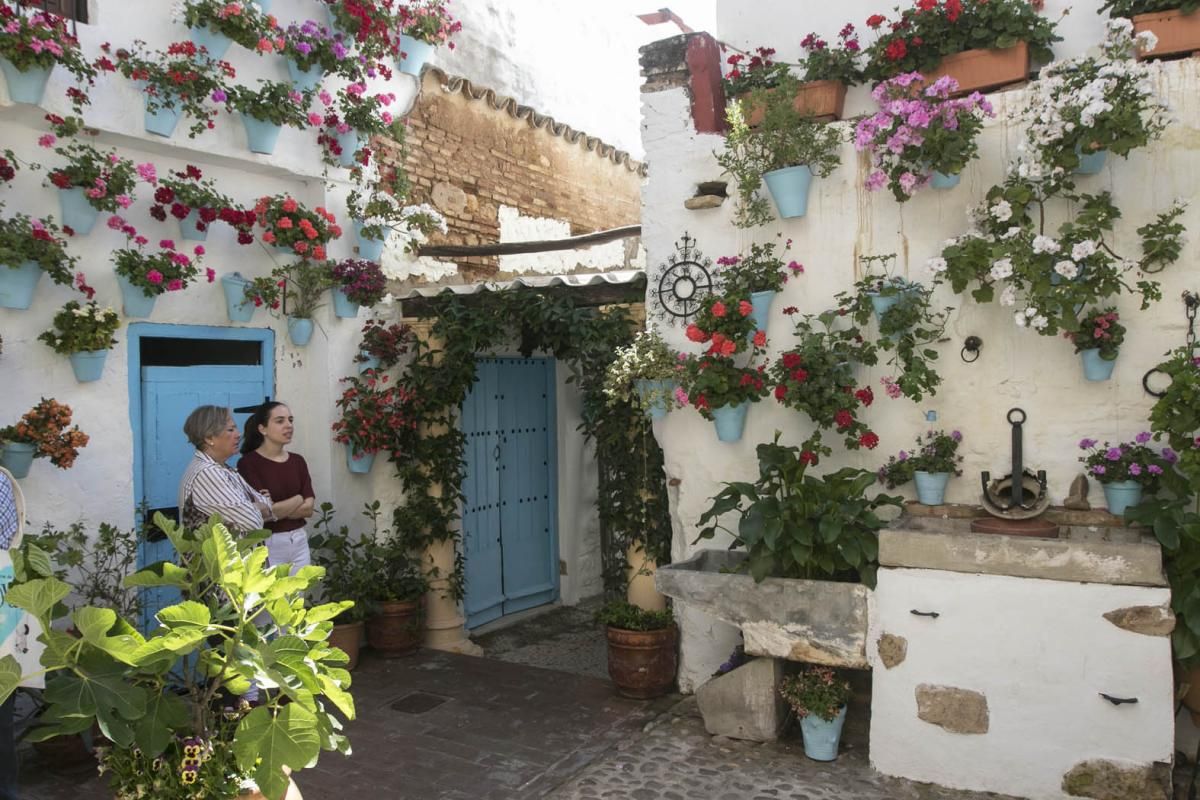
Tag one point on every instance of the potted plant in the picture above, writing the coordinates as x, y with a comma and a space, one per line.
346, 139
179, 80
933, 460
825, 71
29, 247
190, 198
373, 415
816, 376
759, 275
645, 373
424, 25
292, 228
714, 383
374, 215
919, 136
1125, 470
91, 181
982, 44
143, 276
216, 24
642, 657
819, 696
356, 283
179, 722
266, 110
32, 43
313, 51
1097, 341
1173, 24
348, 576
43, 432
83, 332
786, 151
304, 283
752, 71
395, 594
382, 345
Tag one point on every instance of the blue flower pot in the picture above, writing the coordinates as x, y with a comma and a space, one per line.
931, 487
761, 313
305, 79
188, 229
1090, 163
237, 306
17, 284
371, 362
17, 458
163, 121
88, 365
942, 181
789, 189
343, 307
261, 136
134, 302
349, 142
730, 421
658, 406
414, 55
300, 331
821, 737
264, 5
1120, 495
217, 44
359, 464
77, 213
369, 249
28, 86
1096, 368
883, 303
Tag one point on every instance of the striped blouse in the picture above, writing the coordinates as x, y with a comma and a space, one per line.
211, 488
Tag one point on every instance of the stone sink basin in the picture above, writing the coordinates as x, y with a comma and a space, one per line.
819, 622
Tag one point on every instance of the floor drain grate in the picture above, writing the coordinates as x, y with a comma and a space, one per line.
418, 703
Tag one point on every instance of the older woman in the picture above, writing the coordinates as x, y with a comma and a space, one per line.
209, 485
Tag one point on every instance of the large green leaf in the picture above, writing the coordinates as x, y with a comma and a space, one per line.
10, 676
165, 713
38, 597
289, 738
162, 573
185, 615
338, 696
101, 628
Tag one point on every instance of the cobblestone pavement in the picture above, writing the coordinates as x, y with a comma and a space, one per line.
562, 638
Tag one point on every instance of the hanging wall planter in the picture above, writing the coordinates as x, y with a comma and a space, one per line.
760, 303
26, 86
237, 306
305, 79
188, 229
88, 365
300, 330
368, 248
942, 182
261, 135
17, 284
730, 421
368, 362
162, 121
980, 70
414, 55
1120, 495
134, 302
789, 189
821, 737
217, 44
1177, 32
343, 306
1096, 368
77, 213
931, 487
359, 463
654, 396
822, 100
1090, 163
349, 142
17, 458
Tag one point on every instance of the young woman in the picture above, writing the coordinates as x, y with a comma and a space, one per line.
282, 478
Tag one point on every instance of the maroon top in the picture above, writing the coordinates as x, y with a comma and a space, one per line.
282, 479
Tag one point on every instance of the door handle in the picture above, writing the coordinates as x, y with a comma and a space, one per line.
930, 614
1116, 701
496, 453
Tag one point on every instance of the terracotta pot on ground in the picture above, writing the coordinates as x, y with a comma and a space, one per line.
1177, 32
396, 630
822, 100
642, 664
981, 70
348, 638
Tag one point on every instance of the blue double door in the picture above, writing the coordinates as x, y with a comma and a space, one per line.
510, 507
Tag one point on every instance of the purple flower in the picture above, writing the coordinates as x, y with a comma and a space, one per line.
1113, 454
219, 96
304, 48
956, 436
1135, 469
1169, 455
339, 51
1154, 469
903, 455
1098, 469
1142, 437
1084, 444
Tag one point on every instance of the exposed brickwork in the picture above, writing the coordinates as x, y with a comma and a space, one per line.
469, 158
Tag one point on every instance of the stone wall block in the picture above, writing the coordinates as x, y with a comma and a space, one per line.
1109, 780
745, 703
956, 710
1146, 620
892, 649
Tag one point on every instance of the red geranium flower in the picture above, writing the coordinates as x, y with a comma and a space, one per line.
875, 20
868, 440
843, 419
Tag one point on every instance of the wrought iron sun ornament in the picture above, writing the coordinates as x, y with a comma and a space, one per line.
682, 283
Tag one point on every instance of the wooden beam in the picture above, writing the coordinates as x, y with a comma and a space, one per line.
599, 294
516, 248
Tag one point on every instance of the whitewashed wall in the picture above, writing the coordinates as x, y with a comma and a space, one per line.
1016, 367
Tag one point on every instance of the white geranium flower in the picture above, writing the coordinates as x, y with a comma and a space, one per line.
1044, 244
1002, 211
1001, 269
1019, 319
1082, 250
936, 265
1012, 231
388, 300
1039, 322
1067, 269
1009, 296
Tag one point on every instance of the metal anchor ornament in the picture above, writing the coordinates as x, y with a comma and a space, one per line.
1021, 494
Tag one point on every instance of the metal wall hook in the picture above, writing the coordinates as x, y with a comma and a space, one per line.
1116, 701
973, 345
930, 614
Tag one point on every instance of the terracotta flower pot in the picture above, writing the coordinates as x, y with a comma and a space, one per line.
642, 664
1176, 32
982, 70
823, 100
348, 638
396, 630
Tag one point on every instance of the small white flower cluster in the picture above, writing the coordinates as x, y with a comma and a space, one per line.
1030, 317
647, 357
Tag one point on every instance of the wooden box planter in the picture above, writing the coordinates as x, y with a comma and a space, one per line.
984, 70
822, 100
1177, 32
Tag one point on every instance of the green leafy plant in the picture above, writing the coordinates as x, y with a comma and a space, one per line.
1100, 329
349, 575
710, 382
305, 283
24, 239
82, 328
107, 179
1128, 461
626, 616
936, 451
816, 690
375, 413
397, 569
758, 271
1128, 8
752, 71
837, 62
276, 102
97, 566
387, 343
796, 525
647, 358
163, 699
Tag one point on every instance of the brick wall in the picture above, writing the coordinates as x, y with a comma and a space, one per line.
468, 158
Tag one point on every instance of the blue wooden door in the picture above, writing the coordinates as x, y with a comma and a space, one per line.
510, 537
168, 395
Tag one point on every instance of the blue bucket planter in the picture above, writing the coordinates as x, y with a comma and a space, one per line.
931, 487
1096, 368
943, 181
217, 44
359, 464
821, 737
188, 229
369, 362
415, 55
305, 79
657, 405
264, 5
1120, 495
343, 307
77, 213
134, 302
789, 189
261, 136
27, 86
730, 421
300, 331
18, 284
88, 365
760, 303
237, 306
1090, 163
882, 304
349, 142
163, 121
17, 458
369, 249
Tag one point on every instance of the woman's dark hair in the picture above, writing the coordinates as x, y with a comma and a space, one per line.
252, 439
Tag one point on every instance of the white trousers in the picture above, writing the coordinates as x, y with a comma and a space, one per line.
289, 548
